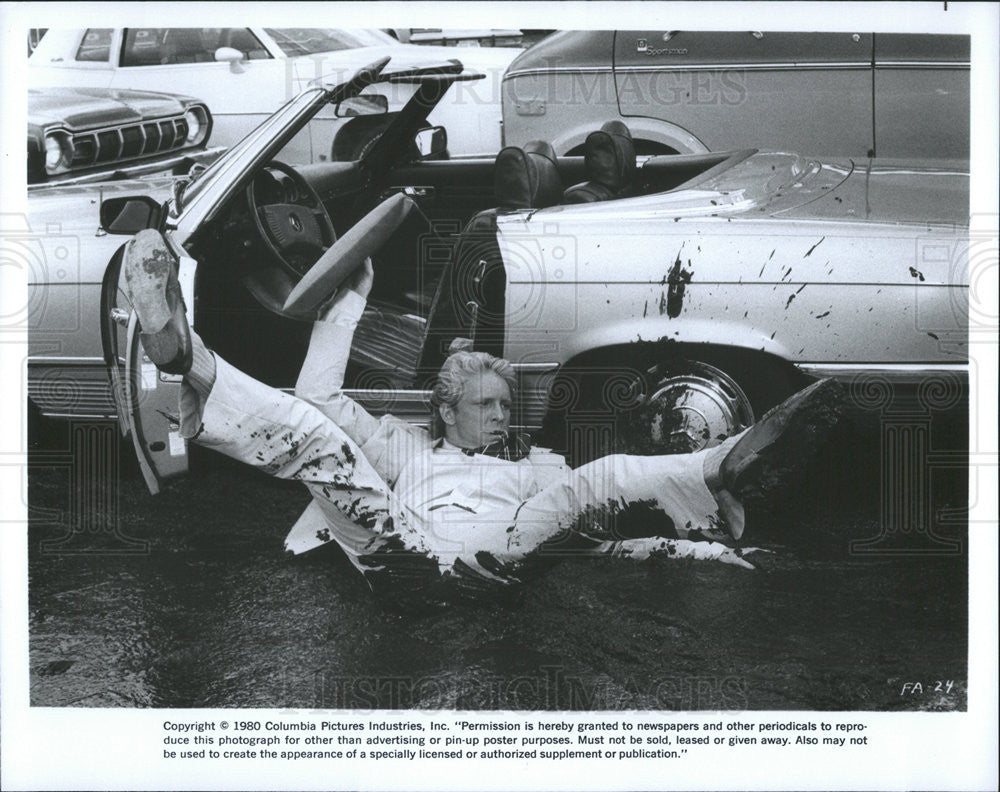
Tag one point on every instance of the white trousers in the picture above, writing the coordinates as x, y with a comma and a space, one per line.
289, 438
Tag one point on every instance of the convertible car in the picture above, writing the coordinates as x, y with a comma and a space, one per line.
649, 305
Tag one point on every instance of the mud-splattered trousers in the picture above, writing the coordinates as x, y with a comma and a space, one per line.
401, 504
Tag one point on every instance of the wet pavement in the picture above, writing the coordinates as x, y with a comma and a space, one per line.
186, 599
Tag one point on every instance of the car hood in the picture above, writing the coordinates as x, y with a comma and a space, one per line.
874, 191
759, 185
894, 191
87, 108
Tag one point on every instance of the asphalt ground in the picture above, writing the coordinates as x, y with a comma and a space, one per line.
185, 599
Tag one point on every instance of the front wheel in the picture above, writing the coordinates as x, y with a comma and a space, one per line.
682, 407
656, 401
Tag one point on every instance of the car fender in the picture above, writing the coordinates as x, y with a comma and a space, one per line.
806, 291
631, 331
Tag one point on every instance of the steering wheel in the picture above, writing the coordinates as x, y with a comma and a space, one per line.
297, 233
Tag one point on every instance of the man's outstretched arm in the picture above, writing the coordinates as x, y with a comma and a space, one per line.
321, 379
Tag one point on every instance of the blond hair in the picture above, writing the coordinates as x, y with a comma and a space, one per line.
456, 371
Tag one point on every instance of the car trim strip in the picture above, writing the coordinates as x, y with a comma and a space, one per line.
42, 360
922, 65
806, 65
894, 372
582, 282
535, 368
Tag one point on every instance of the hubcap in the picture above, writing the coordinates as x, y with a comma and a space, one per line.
694, 407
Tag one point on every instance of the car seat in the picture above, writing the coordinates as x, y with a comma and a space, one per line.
184, 45
527, 178
609, 157
523, 178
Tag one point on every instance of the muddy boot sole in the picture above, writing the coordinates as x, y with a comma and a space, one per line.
770, 456
151, 281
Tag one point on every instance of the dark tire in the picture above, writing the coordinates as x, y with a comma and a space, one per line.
669, 401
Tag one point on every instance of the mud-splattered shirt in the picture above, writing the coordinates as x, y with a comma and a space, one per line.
440, 487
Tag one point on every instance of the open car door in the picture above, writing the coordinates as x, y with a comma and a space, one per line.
146, 399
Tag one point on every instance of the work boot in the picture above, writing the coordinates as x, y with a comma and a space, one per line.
155, 294
768, 455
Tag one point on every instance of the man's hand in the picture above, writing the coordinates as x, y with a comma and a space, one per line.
360, 282
361, 279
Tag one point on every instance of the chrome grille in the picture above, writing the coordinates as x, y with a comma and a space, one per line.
132, 141
128, 142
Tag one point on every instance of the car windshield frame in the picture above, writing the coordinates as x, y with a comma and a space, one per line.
234, 169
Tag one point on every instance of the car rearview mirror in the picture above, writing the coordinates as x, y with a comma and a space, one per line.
367, 104
129, 215
431, 141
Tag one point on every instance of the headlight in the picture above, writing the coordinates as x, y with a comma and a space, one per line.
197, 124
58, 152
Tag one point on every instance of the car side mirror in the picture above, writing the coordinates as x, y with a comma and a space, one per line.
129, 215
233, 57
364, 105
432, 142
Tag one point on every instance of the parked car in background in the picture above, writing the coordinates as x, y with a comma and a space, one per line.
704, 289
243, 74
837, 94
61, 245
90, 134
456, 37
84, 143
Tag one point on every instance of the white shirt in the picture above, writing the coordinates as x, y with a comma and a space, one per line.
442, 489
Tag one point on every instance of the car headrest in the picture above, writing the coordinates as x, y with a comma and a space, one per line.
527, 178
184, 43
609, 156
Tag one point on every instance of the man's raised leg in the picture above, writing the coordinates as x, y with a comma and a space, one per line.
224, 409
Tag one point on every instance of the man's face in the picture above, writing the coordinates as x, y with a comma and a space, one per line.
481, 414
